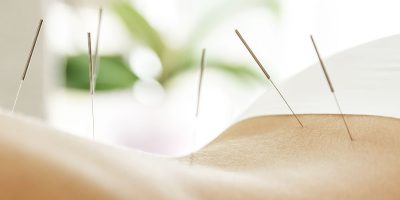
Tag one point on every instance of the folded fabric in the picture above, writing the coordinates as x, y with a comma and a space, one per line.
365, 78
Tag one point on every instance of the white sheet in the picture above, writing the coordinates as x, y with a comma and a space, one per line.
366, 79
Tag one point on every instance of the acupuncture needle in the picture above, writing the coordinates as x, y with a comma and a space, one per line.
91, 78
96, 59
201, 74
267, 75
27, 64
331, 86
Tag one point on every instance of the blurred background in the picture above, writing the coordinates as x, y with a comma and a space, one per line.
150, 58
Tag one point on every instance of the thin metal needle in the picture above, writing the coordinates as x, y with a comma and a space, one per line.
202, 64
330, 86
27, 63
16, 97
96, 50
91, 78
267, 75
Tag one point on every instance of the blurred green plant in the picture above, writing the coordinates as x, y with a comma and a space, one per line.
114, 71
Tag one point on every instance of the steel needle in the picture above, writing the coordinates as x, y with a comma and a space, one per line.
96, 60
91, 78
331, 86
202, 64
27, 63
267, 75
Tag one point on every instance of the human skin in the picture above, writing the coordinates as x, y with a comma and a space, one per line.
318, 161
269, 157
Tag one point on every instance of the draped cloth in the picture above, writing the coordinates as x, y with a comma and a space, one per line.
365, 79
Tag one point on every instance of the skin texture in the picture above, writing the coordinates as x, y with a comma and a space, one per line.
315, 162
259, 158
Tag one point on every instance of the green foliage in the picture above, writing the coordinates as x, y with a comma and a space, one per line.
139, 28
114, 71
223, 11
239, 71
